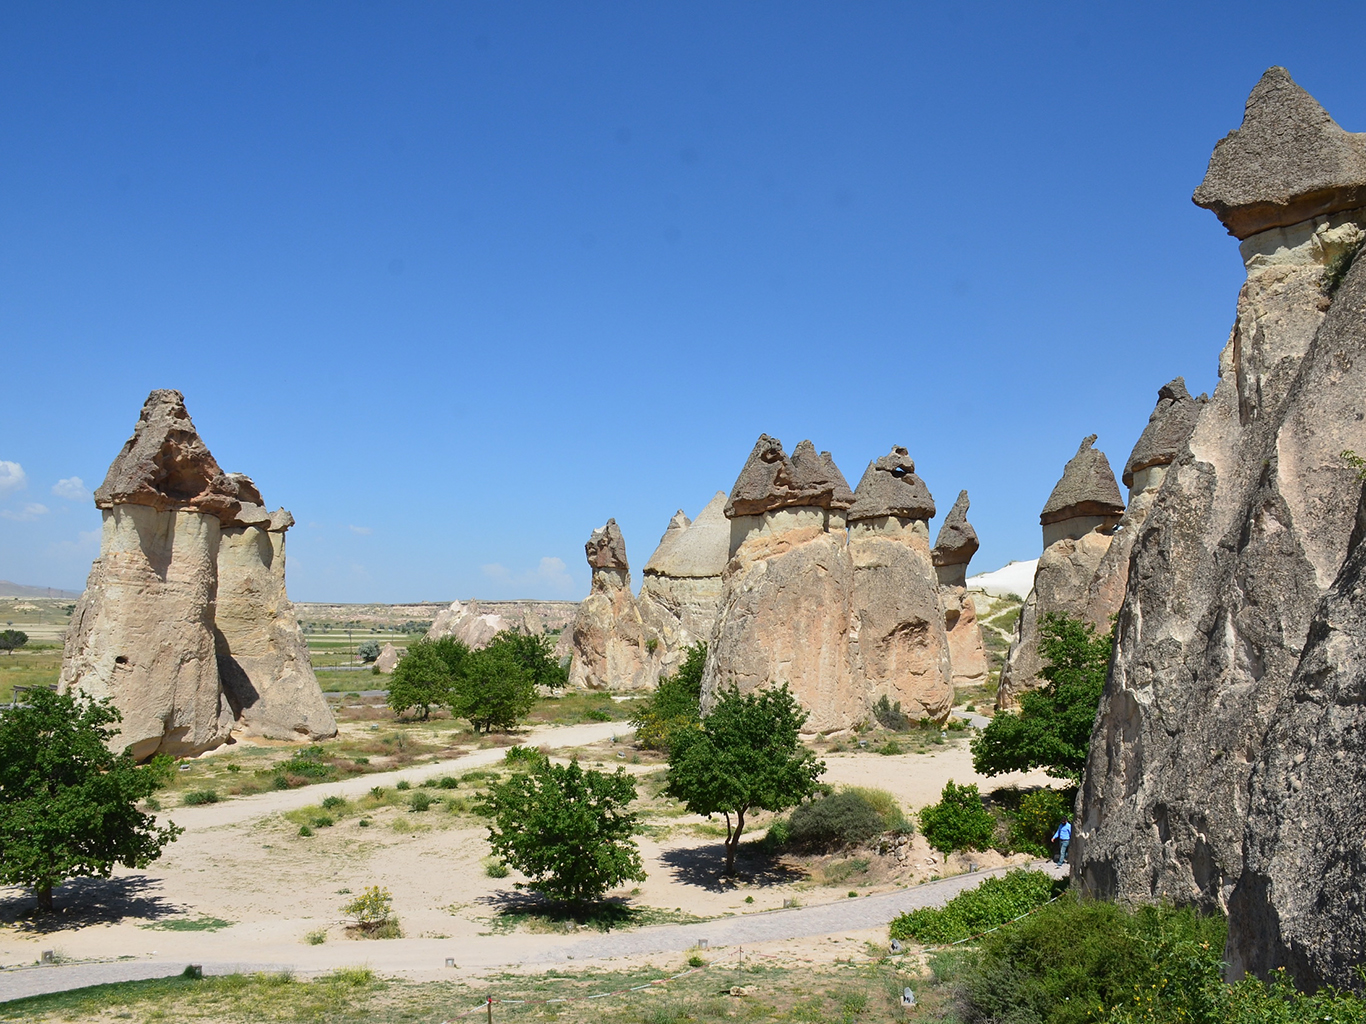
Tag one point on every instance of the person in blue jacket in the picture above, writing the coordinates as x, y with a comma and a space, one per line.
1064, 836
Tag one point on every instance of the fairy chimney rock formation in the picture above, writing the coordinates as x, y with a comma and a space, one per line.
612, 646
899, 645
1078, 523
785, 609
147, 632
1162, 440
387, 660
680, 590
953, 550
1223, 768
1289, 162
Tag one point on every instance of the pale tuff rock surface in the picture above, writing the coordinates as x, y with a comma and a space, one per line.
1300, 902
1078, 522
953, 550
898, 643
1164, 438
387, 660
681, 588
263, 660
612, 646
785, 611
1288, 163
475, 623
1249, 531
143, 632
186, 554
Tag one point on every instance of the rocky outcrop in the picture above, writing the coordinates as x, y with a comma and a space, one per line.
263, 662
612, 647
1078, 521
387, 660
146, 632
898, 643
475, 623
1250, 529
681, 588
787, 590
953, 550
1300, 902
1158, 446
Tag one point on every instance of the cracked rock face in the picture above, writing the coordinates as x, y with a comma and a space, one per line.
1234, 635
953, 550
184, 622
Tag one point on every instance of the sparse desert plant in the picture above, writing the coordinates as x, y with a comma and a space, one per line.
420, 801
316, 937
496, 869
333, 802
373, 912
403, 784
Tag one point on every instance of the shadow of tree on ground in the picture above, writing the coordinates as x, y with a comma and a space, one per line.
85, 901
703, 866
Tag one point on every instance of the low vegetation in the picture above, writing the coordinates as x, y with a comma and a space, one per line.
849, 818
674, 706
960, 821
994, 902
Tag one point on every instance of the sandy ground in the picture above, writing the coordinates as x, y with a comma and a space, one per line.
242, 862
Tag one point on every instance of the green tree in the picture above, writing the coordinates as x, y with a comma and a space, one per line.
568, 830
747, 755
368, 650
536, 655
67, 802
1053, 727
675, 704
11, 639
959, 821
425, 676
494, 690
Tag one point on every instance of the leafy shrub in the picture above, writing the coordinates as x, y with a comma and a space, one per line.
994, 902
307, 763
195, 797
446, 782
367, 650
523, 755
1040, 814
305, 831
959, 821
675, 704
420, 801
372, 906
496, 869
890, 716
331, 802
833, 822
323, 821
316, 937
779, 834
598, 715
403, 784
1078, 960
890, 749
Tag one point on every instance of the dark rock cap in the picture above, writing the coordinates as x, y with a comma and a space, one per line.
1168, 427
770, 480
1287, 163
606, 547
1087, 488
889, 487
166, 465
957, 540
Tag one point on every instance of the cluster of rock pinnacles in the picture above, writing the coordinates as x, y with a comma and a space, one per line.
794, 578
1228, 760
185, 622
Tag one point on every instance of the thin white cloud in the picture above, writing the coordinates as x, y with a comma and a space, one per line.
12, 477
364, 531
87, 542
72, 488
27, 514
551, 576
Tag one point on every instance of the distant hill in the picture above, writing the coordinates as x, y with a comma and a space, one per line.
8, 589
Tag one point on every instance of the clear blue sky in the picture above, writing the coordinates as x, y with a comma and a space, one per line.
456, 282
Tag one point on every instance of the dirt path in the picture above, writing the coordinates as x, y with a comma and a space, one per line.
424, 959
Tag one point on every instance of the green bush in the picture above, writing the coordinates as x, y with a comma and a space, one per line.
420, 801
447, 782
523, 755
959, 821
307, 763
401, 784
1040, 814
994, 902
195, 797
675, 704
332, 802
848, 818
1077, 960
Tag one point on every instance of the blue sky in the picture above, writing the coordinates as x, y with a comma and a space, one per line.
456, 282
